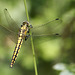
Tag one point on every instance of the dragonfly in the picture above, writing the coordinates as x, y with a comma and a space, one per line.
23, 32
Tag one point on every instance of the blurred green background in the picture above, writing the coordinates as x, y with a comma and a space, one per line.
55, 55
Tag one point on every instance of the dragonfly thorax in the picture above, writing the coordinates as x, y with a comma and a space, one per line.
24, 31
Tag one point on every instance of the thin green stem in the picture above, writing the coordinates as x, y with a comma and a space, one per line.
26, 10
34, 59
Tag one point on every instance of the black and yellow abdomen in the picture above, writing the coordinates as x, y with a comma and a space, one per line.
16, 51
21, 35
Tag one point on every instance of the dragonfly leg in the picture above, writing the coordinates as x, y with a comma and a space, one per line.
28, 31
27, 36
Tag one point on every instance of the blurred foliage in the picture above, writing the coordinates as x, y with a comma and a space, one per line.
50, 50
65, 69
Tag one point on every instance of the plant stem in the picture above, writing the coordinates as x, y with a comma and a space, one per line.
26, 10
34, 59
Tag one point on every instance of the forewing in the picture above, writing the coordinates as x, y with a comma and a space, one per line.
12, 24
50, 28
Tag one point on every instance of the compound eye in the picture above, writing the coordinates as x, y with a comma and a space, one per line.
31, 26
24, 23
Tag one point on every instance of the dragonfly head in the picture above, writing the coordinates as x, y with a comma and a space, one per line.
26, 22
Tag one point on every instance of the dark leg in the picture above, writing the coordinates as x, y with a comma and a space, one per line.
27, 36
28, 31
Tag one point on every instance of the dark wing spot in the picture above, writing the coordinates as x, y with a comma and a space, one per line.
57, 19
56, 34
5, 9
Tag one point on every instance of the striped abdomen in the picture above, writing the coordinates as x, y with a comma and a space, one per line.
22, 34
16, 51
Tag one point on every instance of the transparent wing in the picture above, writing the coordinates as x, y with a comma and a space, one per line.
9, 33
49, 28
10, 30
11, 23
